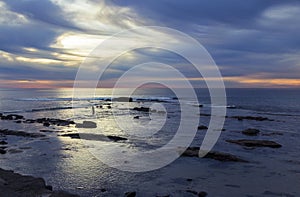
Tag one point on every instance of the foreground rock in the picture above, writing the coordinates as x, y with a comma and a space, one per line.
255, 143
13, 184
21, 133
251, 132
194, 152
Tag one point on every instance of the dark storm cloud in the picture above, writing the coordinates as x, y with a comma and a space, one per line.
14, 38
40, 10
243, 37
240, 36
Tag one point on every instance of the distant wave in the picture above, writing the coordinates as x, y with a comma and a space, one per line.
135, 99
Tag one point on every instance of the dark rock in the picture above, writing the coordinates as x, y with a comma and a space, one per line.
29, 121
108, 99
202, 127
71, 135
18, 185
21, 133
87, 124
116, 138
130, 194
270, 193
257, 118
255, 143
136, 117
14, 151
272, 133
142, 109
191, 191
189, 180
223, 157
194, 152
2, 151
49, 187
122, 99
46, 124
18, 121
3, 142
103, 190
108, 107
62, 194
202, 194
251, 132
12, 117
46, 131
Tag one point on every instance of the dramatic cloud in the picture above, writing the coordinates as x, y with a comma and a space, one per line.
251, 41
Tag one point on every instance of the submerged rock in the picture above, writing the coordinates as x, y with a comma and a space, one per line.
255, 143
202, 127
87, 124
202, 194
251, 132
130, 194
194, 152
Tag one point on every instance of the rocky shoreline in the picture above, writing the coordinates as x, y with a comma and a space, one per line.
17, 185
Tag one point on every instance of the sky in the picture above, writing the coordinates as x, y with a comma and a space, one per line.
254, 43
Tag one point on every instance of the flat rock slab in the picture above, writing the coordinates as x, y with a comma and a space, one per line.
13, 184
21, 133
255, 143
194, 152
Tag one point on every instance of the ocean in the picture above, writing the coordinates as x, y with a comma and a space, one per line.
70, 164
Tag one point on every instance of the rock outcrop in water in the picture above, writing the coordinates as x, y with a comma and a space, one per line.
202, 127
122, 99
251, 132
257, 118
21, 133
194, 152
142, 109
16, 185
255, 143
87, 124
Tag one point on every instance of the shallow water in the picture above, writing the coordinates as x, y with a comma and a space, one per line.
68, 164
